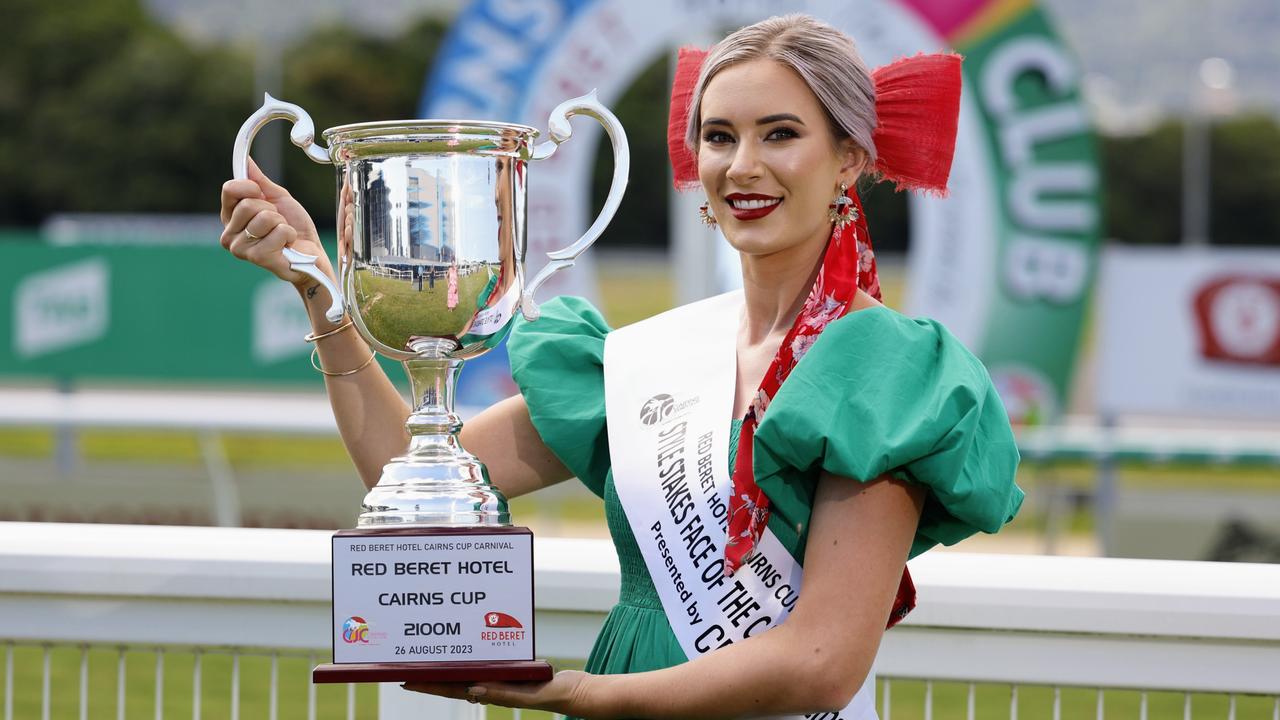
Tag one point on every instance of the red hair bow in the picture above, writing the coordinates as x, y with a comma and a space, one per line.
917, 108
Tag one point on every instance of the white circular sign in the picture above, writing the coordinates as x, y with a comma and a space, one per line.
1246, 318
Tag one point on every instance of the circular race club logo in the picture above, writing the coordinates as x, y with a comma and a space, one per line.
657, 409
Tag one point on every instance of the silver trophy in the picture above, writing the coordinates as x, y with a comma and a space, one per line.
431, 252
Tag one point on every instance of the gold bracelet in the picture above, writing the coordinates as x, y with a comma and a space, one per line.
315, 364
312, 337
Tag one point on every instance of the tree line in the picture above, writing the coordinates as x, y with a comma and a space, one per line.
104, 109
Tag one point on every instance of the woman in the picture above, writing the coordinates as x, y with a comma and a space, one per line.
887, 439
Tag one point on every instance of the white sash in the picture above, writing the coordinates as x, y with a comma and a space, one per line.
668, 386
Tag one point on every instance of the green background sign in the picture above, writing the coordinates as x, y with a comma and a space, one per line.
1041, 145
115, 313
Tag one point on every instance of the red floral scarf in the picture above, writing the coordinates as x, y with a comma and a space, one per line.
917, 104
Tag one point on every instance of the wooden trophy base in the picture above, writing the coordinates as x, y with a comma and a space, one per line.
468, 671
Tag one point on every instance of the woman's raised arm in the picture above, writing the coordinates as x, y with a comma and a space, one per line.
504, 439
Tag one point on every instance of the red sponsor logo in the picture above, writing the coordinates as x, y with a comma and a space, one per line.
505, 628
1238, 318
500, 620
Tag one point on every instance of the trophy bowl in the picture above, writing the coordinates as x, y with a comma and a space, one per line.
434, 583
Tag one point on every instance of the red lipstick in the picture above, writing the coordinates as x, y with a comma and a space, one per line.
752, 213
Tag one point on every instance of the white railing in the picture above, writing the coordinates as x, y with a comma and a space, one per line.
1104, 624
309, 414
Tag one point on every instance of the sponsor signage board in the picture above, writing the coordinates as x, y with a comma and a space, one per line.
1012, 279
434, 596
1192, 332
153, 313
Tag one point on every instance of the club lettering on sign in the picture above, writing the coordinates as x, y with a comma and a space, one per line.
1043, 196
1044, 268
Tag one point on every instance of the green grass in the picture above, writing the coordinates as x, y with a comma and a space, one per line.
630, 296
950, 701
579, 508
568, 513
26, 442
244, 450
402, 311
1184, 476
177, 694
155, 446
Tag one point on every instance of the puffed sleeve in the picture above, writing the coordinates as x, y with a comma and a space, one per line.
881, 393
558, 363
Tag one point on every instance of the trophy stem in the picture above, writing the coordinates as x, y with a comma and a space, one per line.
436, 482
433, 425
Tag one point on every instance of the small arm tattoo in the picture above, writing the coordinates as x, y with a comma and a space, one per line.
311, 291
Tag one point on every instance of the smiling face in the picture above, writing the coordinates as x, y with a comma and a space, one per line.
767, 158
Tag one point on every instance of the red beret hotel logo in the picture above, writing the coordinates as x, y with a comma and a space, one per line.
500, 620
1238, 318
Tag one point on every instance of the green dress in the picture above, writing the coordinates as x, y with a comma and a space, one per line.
877, 393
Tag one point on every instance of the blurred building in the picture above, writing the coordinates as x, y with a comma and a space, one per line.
429, 221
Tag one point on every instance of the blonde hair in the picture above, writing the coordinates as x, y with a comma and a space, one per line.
825, 58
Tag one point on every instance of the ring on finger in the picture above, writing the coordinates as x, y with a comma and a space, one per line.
250, 235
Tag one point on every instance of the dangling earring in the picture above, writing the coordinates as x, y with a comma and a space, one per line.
842, 211
704, 214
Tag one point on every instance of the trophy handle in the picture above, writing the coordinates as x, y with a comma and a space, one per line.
303, 135
559, 130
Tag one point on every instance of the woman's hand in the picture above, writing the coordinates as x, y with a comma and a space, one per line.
566, 694
261, 218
